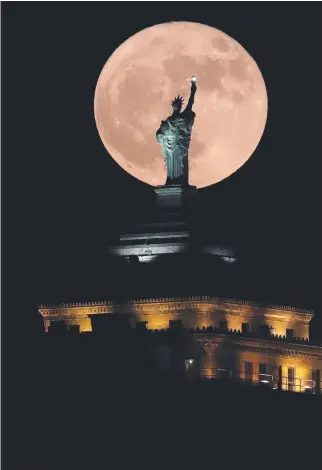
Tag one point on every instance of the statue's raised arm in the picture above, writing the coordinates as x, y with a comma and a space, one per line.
192, 95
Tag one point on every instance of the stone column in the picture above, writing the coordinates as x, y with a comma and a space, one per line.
208, 361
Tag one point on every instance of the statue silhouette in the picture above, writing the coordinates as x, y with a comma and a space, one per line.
174, 135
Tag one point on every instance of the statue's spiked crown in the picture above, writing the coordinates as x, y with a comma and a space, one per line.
177, 102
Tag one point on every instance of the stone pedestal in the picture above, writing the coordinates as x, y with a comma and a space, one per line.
171, 229
168, 231
174, 198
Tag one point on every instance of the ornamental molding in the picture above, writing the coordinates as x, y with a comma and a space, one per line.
203, 309
301, 354
291, 315
168, 307
277, 351
80, 312
78, 304
229, 304
258, 349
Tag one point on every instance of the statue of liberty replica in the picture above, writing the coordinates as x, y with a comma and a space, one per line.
174, 135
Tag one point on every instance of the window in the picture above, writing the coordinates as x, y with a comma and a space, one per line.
291, 379
263, 377
308, 385
289, 333
175, 324
223, 325
245, 327
249, 371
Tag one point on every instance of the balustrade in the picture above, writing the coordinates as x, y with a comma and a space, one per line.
296, 384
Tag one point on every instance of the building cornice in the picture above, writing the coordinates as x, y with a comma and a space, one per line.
270, 309
306, 351
296, 353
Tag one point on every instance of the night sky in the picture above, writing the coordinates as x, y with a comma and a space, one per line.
64, 197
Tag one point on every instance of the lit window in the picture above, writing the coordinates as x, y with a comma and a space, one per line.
263, 376
291, 379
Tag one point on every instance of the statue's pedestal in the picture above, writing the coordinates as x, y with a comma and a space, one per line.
168, 231
171, 231
174, 198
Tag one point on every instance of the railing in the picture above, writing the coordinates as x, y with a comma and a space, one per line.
298, 385
295, 384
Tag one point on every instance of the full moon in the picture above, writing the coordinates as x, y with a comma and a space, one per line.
141, 78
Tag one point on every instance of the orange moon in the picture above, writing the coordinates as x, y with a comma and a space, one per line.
140, 79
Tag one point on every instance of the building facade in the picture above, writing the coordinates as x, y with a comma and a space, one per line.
226, 339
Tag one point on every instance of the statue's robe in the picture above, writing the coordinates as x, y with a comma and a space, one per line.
174, 135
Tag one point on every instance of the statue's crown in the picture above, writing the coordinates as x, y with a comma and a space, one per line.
177, 101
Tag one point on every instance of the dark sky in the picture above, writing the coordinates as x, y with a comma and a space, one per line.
65, 199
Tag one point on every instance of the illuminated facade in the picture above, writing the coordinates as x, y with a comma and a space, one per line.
227, 338
224, 338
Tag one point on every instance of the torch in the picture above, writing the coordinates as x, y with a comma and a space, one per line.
193, 83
